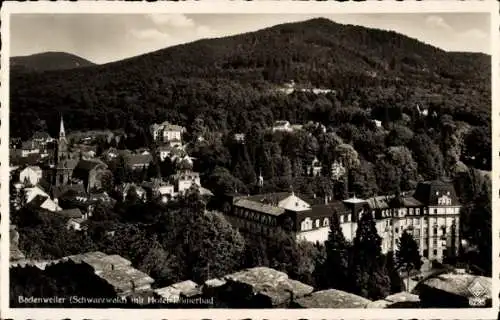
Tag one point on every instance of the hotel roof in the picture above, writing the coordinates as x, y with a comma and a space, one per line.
260, 207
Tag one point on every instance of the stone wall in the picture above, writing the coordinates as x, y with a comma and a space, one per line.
96, 274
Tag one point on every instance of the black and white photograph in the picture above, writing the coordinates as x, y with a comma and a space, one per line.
297, 160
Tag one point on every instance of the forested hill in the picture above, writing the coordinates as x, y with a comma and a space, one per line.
48, 61
227, 79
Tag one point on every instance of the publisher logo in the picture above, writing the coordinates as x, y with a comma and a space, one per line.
478, 292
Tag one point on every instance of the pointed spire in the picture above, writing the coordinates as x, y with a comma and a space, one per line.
62, 133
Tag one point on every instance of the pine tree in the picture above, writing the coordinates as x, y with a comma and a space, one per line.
408, 255
336, 268
397, 284
369, 276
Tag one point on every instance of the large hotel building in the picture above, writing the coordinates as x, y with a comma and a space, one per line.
431, 214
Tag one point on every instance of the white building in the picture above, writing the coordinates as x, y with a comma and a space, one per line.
167, 132
30, 175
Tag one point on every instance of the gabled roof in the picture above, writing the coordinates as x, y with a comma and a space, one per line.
37, 201
294, 203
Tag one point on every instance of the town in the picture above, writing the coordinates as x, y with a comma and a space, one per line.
68, 177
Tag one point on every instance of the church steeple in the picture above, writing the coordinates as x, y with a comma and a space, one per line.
62, 144
62, 133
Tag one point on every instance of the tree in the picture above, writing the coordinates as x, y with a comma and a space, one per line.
428, 157
407, 255
368, 275
350, 159
336, 268
397, 284
214, 247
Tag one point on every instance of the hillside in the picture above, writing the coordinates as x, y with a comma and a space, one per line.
48, 61
371, 67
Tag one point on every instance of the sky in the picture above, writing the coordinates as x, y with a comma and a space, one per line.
103, 38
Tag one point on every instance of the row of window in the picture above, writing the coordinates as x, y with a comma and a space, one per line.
255, 216
307, 223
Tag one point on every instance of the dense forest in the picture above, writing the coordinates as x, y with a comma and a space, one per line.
47, 61
230, 81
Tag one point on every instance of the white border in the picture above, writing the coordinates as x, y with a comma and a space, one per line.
217, 6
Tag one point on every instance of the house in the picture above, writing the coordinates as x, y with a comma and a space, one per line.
143, 151
314, 169
102, 197
282, 125
91, 173
184, 180
42, 138
43, 202
138, 161
126, 188
83, 203
75, 218
30, 175
157, 188
76, 224
29, 147
70, 190
32, 192
167, 132
239, 137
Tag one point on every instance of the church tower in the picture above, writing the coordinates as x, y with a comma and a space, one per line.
62, 144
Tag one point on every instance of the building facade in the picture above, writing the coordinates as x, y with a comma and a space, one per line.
431, 215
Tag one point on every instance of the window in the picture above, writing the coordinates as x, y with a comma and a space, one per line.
306, 224
325, 222
417, 211
411, 210
416, 222
426, 253
434, 242
435, 231
396, 230
317, 223
416, 232
435, 211
341, 218
435, 252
